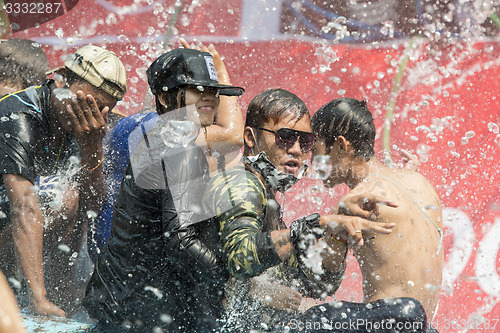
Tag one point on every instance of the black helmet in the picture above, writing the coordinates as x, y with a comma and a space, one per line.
181, 67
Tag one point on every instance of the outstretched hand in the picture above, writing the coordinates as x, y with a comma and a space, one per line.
366, 205
219, 64
351, 227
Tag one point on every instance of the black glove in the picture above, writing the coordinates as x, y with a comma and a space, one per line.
304, 226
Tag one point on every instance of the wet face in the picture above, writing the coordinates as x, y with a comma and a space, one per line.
206, 100
327, 163
289, 160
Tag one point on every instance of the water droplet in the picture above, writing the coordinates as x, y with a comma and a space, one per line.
4, 119
75, 160
91, 214
470, 134
59, 33
15, 283
166, 318
315, 190
493, 128
63, 247
411, 283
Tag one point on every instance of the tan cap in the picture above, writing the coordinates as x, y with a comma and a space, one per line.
100, 67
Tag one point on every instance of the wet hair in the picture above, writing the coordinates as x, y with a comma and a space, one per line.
273, 105
349, 118
171, 100
23, 62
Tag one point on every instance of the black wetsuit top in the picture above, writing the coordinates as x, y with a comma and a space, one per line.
24, 140
156, 270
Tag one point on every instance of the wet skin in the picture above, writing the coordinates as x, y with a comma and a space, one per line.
405, 262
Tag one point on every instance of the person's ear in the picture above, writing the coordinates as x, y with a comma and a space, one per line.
345, 146
162, 99
249, 137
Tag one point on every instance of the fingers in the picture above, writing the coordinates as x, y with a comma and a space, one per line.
381, 228
104, 113
379, 200
353, 226
358, 211
199, 47
356, 225
95, 113
213, 51
75, 122
411, 160
76, 107
184, 43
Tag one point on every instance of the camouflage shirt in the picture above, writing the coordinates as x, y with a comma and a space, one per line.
246, 213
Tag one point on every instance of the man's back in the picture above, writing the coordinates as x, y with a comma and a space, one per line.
409, 261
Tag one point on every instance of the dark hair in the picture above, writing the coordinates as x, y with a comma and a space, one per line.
349, 118
22, 61
171, 99
272, 105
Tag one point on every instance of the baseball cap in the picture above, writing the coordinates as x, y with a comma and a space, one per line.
100, 67
181, 67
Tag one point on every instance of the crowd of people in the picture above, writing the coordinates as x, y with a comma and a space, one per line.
181, 199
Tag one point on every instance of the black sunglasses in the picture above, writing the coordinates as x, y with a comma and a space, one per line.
286, 138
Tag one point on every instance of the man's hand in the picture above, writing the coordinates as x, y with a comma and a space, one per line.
218, 63
365, 205
88, 123
352, 227
45, 308
410, 161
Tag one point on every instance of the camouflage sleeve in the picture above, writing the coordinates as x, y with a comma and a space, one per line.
238, 201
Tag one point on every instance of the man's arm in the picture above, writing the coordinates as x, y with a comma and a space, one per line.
9, 313
27, 233
89, 128
226, 134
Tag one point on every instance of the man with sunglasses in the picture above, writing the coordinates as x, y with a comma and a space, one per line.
268, 261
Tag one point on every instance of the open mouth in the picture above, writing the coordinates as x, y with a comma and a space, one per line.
291, 166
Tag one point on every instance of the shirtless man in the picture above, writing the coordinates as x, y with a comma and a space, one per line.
409, 261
